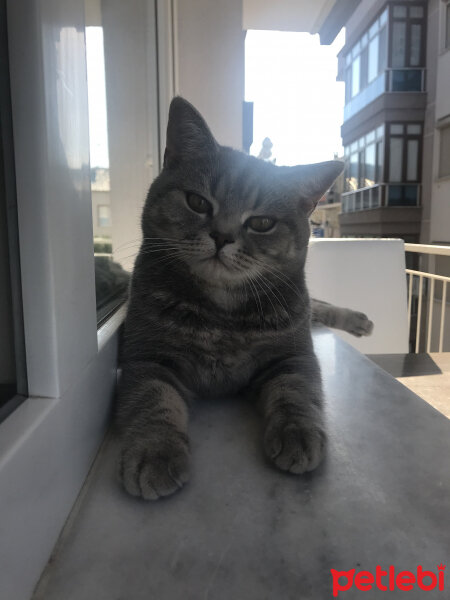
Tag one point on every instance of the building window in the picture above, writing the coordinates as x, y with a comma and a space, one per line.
104, 215
444, 152
365, 161
407, 36
404, 151
404, 146
367, 58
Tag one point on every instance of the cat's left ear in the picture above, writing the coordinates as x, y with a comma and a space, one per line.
188, 135
312, 181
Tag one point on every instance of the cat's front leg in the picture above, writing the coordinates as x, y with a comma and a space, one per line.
152, 421
291, 402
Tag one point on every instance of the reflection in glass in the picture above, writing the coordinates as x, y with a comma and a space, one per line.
370, 165
353, 172
383, 50
409, 80
355, 75
398, 43
395, 158
412, 165
416, 40
373, 58
111, 280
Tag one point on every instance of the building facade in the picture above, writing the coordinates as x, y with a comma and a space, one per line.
396, 129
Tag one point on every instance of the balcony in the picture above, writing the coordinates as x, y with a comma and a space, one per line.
403, 80
381, 195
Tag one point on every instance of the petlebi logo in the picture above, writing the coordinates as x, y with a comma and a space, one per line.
388, 580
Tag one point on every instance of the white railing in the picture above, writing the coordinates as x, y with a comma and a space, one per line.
415, 276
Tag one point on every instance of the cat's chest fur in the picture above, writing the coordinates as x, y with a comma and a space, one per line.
212, 353
216, 358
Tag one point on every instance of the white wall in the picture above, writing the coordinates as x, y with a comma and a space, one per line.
440, 207
210, 55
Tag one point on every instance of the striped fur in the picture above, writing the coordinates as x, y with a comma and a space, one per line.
209, 321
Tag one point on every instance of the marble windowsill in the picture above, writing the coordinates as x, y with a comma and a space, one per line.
240, 529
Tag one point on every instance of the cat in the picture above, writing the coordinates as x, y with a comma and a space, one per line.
218, 306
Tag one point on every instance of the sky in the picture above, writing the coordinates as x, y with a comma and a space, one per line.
290, 78
298, 103
98, 129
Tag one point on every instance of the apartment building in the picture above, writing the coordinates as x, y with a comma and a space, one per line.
396, 129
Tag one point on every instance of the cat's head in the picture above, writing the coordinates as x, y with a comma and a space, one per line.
225, 216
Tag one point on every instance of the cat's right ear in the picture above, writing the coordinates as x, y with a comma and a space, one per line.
188, 135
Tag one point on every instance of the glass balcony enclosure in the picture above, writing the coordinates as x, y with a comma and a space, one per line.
383, 168
388, 57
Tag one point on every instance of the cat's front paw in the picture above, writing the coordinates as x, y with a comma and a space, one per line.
151, 470
294, 447
358, 324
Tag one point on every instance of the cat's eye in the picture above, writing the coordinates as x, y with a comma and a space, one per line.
260, 224
198, 204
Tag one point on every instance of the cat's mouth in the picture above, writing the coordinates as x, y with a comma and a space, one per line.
217, 268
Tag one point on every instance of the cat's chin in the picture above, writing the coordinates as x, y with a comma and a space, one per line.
216, 272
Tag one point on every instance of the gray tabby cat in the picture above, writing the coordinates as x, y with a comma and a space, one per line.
218, 306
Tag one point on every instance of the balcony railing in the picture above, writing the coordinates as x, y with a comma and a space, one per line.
381, 194
426, 292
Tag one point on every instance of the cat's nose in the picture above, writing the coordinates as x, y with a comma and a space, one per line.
221, 239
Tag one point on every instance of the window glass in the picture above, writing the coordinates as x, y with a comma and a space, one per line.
13, 373
397, 129
414, 129
353, 172
373, 58
355, 75
361, 169
410, 195
412, 165
416, 12
416, 39
7, 351
383, 17
364, 67
348, 84
395, 158
400, 12
406, 80
403, 195
444, 152
398, 43
121, 77
379, 170
104, 215
382, 44
370, 165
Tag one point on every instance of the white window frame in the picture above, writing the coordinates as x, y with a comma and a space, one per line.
48, 443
